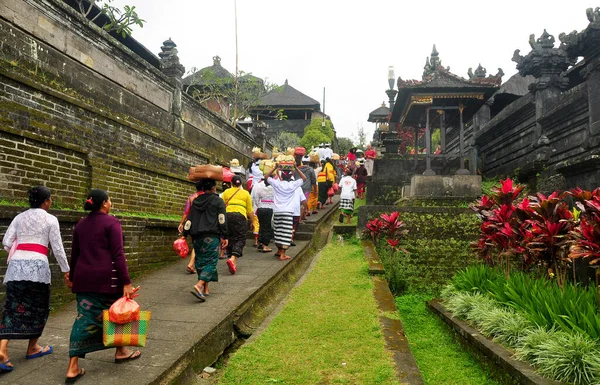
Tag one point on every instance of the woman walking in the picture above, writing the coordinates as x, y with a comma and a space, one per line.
99, 277
27, 277
284, 194
325, 180
186, 212
262, 199
239, 209
208, 227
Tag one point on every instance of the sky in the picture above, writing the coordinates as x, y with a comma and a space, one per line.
346, 47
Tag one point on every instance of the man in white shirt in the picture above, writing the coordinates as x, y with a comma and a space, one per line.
321, 152
262, 199
327, 151
284, 194
300, 201
348, 186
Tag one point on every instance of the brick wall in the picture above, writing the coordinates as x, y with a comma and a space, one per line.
79, 110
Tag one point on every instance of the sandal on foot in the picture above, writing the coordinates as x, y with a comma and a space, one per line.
231, 267
131, 357
199, 296
190, 270
71, 380
41, 353
5, 367
265, 250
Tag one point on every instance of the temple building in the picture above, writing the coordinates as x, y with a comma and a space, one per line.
380, 117
445, 101
286, 109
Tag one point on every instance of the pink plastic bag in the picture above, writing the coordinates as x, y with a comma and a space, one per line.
123, 311
181, 247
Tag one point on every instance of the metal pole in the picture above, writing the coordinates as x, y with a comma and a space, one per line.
462, 170
416, 147
428, 170
235, 97
443, 131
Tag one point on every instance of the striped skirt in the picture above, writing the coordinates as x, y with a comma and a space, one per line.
283, 227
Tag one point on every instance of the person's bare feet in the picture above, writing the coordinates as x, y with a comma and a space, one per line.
284, 257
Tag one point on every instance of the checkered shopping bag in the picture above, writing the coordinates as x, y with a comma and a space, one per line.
130, 334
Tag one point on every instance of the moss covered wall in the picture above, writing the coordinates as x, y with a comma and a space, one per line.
80, 110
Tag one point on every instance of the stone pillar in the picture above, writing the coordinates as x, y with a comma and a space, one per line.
461, 143
548, 65
428, 170
174, 70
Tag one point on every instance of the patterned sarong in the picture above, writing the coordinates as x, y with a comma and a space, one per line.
283, 224
347, 206
207, 255
25, 310
86, 334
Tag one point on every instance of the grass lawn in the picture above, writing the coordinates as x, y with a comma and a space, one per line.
328, 331
440, 358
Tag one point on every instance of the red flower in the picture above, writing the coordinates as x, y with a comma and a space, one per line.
21, 308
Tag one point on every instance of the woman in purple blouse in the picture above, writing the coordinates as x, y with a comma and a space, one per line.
98, 277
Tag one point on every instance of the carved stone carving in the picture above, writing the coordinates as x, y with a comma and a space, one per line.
170, 61
546, 63
587, 42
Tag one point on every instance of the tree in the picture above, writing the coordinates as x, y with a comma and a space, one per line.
236, 95
313, 138
361, 137
344, 145
286, 139
317, 125
119, 21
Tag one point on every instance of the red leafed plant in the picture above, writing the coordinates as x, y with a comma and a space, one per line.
551, 224
586, 237
502, 226
389, 226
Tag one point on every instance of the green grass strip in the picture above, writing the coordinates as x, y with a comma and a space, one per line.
328, 331
440, 358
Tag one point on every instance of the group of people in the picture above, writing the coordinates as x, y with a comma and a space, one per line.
97, 273
272, 205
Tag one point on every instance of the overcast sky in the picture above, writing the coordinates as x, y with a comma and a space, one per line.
347, 46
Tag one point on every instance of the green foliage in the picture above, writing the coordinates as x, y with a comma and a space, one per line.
286, 139
440, 358
488, 184
542, 301
344, 145
317, 125
570, 358
435, 138
312, 139
119, 21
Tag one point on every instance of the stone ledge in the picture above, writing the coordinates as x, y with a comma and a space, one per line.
498, 356
396, 342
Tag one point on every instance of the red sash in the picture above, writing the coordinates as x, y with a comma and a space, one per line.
33, 247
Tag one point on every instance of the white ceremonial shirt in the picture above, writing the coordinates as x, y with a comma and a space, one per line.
38, 227
284, 193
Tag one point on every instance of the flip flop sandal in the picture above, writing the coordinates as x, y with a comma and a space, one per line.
40, 353
190, 270
5, 368
130, 358
231, 267
265, 250
71, 380
199, 296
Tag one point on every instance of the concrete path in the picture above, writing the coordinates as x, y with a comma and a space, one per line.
185, 334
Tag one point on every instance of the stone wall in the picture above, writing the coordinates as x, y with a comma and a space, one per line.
148, 245
550, 137
79, 110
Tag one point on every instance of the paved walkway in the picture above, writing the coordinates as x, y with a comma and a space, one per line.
185, 334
